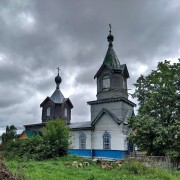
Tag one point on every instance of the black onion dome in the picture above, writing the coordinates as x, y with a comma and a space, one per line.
58, 79
110, 38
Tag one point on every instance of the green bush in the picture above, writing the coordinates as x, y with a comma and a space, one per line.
52, 143
56, 134
135, 168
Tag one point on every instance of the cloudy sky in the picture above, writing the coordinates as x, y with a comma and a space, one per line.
37, 36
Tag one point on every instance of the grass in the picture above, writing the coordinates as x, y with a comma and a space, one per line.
55, 170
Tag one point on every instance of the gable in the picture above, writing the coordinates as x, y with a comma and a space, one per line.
105, 123
68, 102
23, 135
109, 114
48, 99
101, 69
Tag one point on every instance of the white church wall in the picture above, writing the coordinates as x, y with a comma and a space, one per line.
74, 139
118, 139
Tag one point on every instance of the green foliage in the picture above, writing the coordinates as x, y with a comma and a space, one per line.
52, 143
157, 126
55, 169
9, 135
135, 168
56, 134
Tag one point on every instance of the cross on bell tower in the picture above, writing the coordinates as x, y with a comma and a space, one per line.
58, 70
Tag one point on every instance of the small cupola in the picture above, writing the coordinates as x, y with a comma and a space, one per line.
56, 105
110, 37
58, 80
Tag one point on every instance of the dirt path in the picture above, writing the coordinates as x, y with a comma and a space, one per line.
4, 172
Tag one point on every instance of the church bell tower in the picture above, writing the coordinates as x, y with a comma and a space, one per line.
111, 76
112, 94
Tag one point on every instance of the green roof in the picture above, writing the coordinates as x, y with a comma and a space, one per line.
111, 60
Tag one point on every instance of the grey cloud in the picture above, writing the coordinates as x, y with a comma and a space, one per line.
38, 36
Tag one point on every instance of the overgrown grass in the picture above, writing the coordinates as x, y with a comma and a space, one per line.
55, 170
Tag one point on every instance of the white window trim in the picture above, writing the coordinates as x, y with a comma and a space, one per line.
106, 79
65, 112
82, 141
48, 111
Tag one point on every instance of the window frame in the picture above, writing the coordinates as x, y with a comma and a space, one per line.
48, 112
65, 112
106, 140
82, 140
104, 79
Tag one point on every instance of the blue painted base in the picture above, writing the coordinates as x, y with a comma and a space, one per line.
80, 152
113, 154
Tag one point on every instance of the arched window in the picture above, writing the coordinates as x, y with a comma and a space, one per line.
65, 112
106, 140
48, 111
82, 141
106, 82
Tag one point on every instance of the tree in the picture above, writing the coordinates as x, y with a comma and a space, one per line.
53, 142
56, 136
9, 135
157, 126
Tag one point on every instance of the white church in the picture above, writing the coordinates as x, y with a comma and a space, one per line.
106, 135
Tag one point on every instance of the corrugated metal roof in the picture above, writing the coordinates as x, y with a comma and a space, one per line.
57, 96
80, 125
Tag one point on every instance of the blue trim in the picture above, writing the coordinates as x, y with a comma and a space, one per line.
80, 152
113, 154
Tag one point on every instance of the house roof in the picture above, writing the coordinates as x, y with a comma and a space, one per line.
105, 111
57, 97
100, 101
80, 125
88, 125
38, 124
